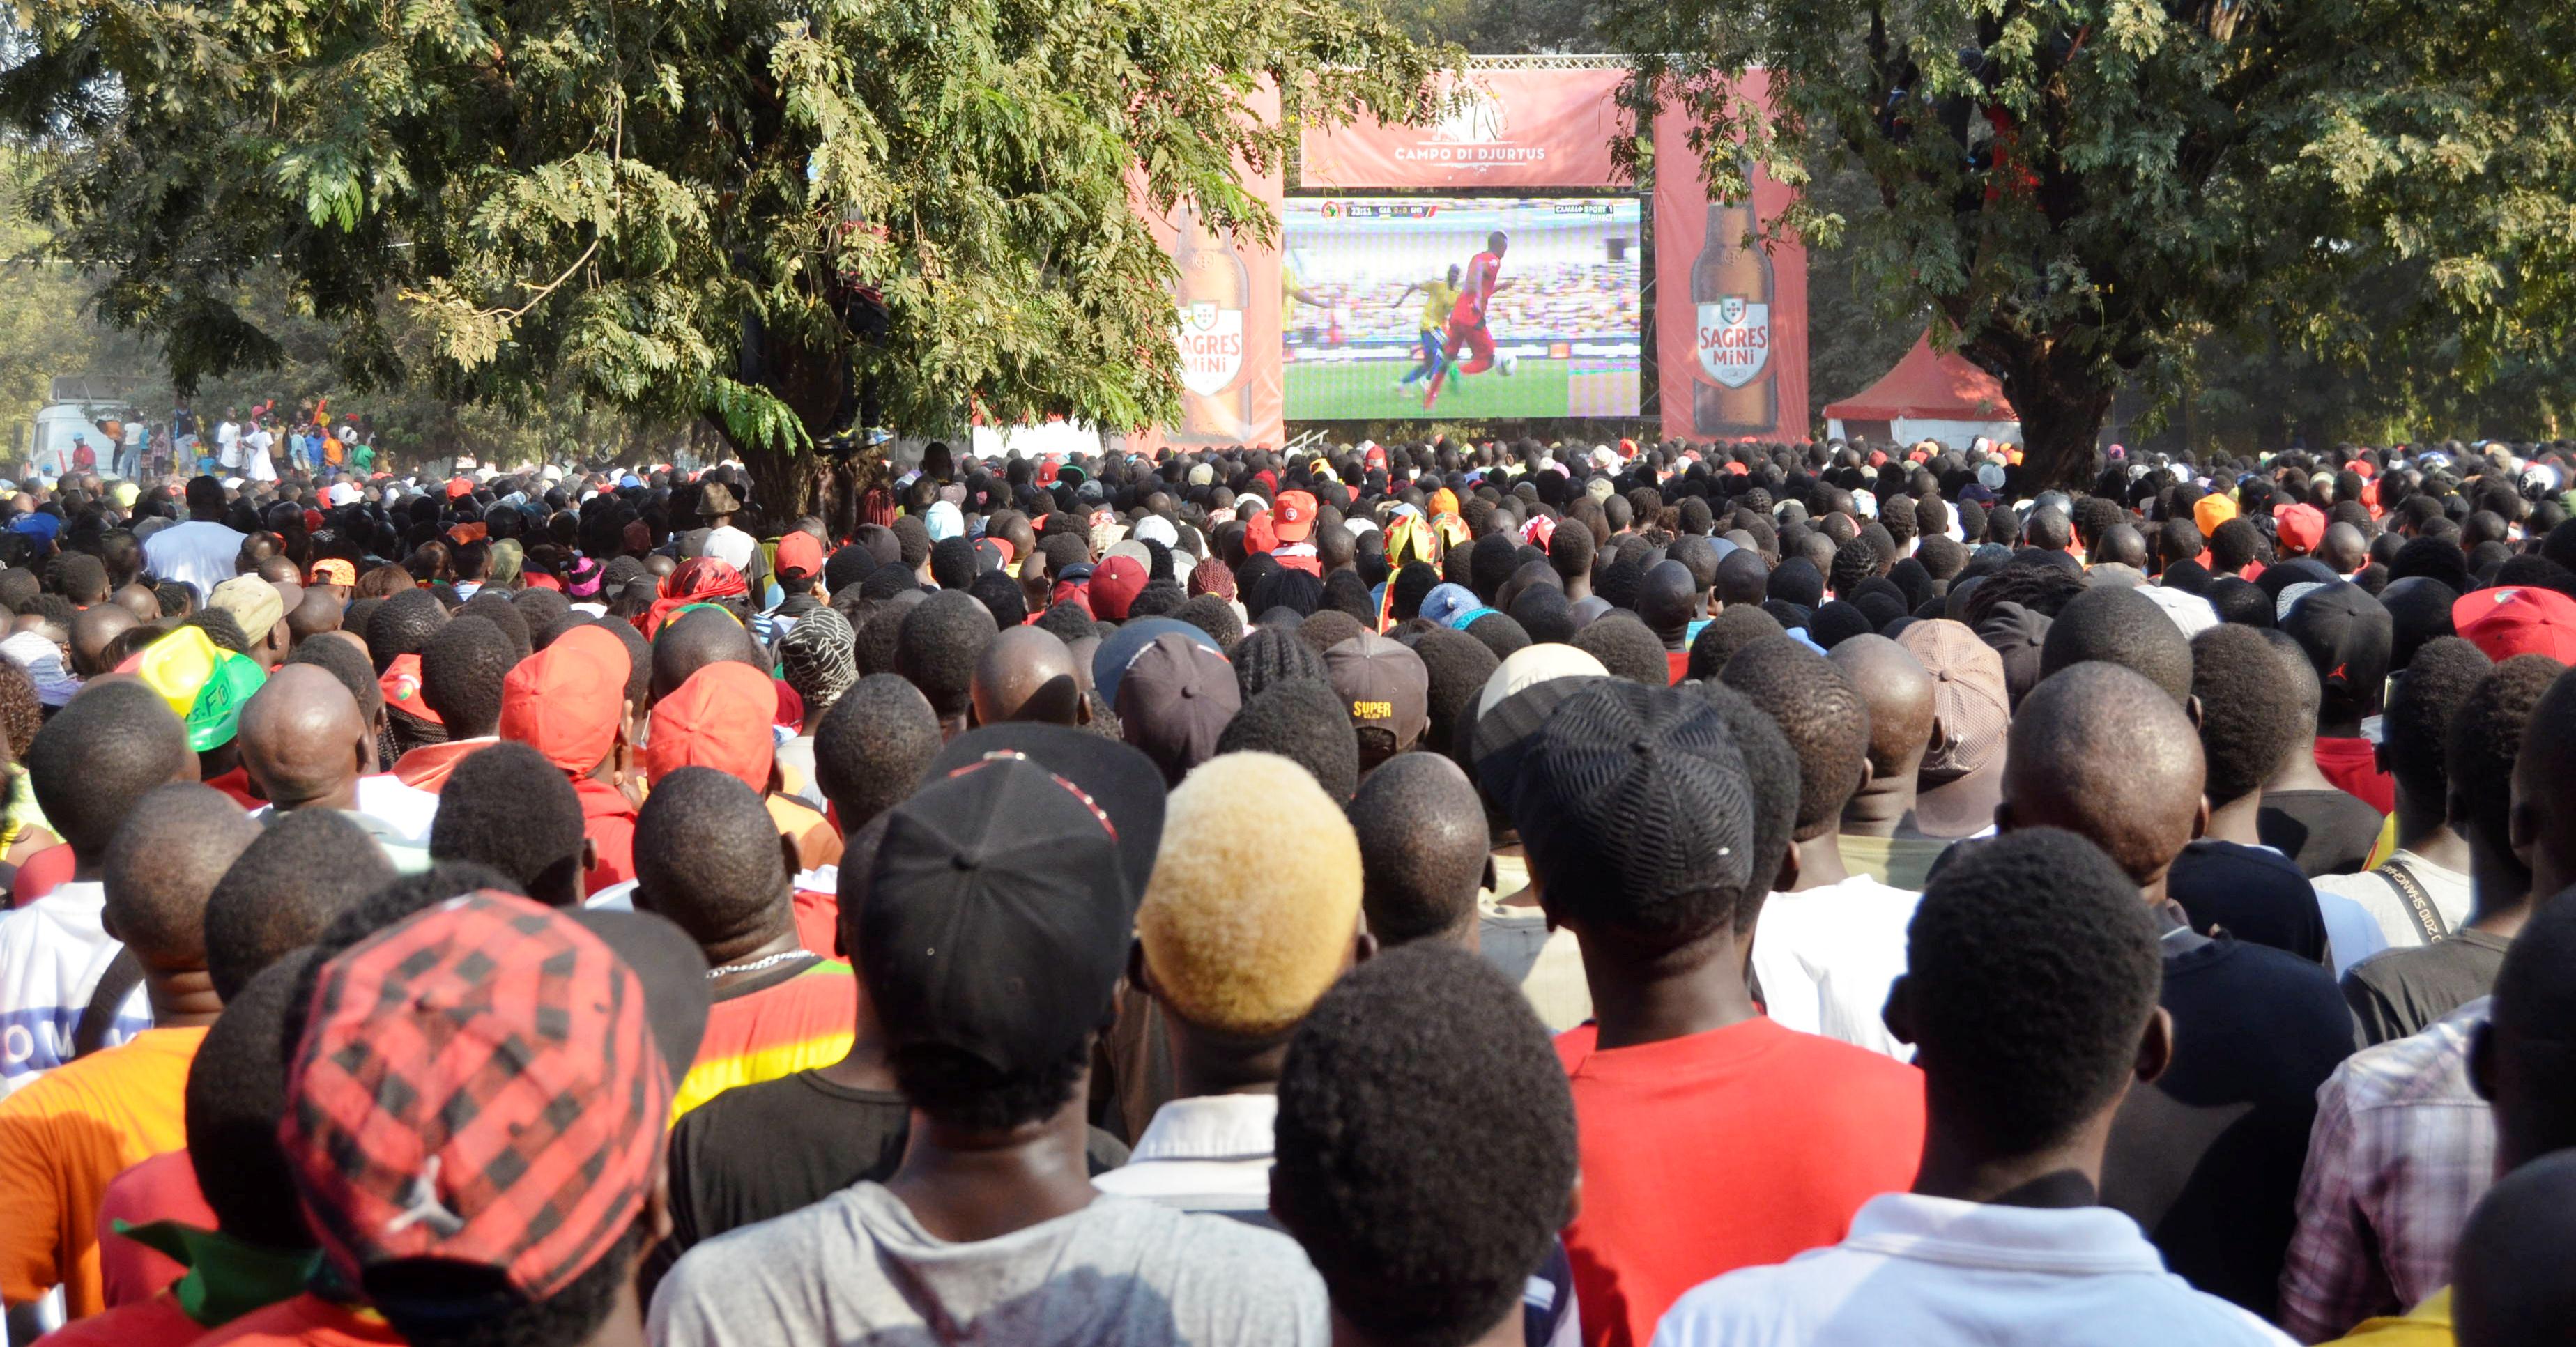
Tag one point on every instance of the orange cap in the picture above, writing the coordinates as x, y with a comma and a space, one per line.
719, 718
1295, 520
567, 700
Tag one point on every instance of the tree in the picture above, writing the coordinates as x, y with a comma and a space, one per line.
2089, 188
791, 217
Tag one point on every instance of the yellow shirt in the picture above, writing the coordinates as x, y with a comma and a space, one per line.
2426, 1325
1438, 297
63, 1137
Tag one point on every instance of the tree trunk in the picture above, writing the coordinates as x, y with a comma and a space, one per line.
790, 484
2061, 398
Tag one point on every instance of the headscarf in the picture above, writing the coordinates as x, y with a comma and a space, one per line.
819, 657
698, 580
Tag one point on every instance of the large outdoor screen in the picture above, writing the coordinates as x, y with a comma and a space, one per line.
1461, 308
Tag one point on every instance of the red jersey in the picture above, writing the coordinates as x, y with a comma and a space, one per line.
1477, 289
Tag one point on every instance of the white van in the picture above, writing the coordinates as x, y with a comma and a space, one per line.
56, 426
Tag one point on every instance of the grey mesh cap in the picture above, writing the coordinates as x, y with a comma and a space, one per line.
1637, 791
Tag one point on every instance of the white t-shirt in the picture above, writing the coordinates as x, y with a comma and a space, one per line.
195, 551
1935, 1271
2448, 889
1826, 957
52, 952
228, 444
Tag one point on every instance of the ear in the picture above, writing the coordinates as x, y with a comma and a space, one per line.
2522, 828
589, 857
1868, 774
1789, 871
1898, 1013
1137, 976
2191, 708
1364, 947
657, 1209
2200, 819
2155, 1047
787, 855
2482, 1065
2004, 817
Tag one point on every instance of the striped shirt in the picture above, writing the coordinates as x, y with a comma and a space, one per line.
803, 1016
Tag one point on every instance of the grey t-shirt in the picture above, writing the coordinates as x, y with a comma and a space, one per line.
857, 1267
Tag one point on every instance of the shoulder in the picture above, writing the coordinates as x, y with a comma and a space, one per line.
1781, 1303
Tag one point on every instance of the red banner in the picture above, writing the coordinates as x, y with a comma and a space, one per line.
1513, 128
1228, 322
1730, 320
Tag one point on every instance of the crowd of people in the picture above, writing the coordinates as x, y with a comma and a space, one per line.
1660, 896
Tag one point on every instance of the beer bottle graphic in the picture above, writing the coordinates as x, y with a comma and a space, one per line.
1733, 389
1215, 289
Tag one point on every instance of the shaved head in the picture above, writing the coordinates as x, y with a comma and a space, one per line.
304, 740
317, 612
1026, 673
139, 600
2100, 751
92, 628
695, 640
1899, 694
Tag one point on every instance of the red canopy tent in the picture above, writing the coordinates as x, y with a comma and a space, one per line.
1928, 395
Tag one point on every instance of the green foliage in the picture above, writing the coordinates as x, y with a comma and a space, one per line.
676, 206
2091, 188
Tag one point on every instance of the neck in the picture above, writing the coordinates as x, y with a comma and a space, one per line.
2423, 829
1646, 996
1506, 1332
1960, 806
1820, 862
1884, 800
2237, 820
181, 999
965, 1186
1578, 588
2347, 727
343, 796
1206, 1062
2298, 769
2501, 891
744, 949
624, 1326
2065, 1175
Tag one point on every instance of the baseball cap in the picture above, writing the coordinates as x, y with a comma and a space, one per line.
2518, 620
799, 551
332, 571
1115, 583
1638, 791
2299, 526
1382, 684
996, 918
719, 718
253, 602
1293, 519
204, 684
1109, 663
1971, 702
1123, 782
2346, 635
568, 700
459, 486
2189, 611
2211, 511
1175, 700
487, 1083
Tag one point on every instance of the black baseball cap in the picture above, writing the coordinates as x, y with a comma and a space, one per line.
1109, 663
1122, 781
997, 918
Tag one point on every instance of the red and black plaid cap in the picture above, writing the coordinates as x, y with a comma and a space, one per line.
478, 1083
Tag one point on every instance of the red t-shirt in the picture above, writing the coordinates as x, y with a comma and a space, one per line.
1677, 663
818, 922
304, 1321
156, 1322
609, 822
2351, 765
236, 783
1725, 1149
42, 872
163, 1188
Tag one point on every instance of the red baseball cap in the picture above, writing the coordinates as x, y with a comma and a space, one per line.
720, 718
2518, 620
798, 551
1296, 516
1261, 532
400, 682
1115, 583
2300, 526
568, 700
489, 1082
458, 486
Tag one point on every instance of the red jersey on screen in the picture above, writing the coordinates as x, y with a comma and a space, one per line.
1725, 1149
1477, 290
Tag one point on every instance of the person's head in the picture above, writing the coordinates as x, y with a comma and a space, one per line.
2415, 729
161, 866
695, 640
91, 631
98, 756
708, 857
1007, 859
486, 1035
818, 658
1639, 819
1426, 1147
719, 718
2543, 822
2346, 635
506, 807
569, 700
235, 1097
2511, 1282
460, 675
259, 610
304, 741
2091, 752
1027, 673
1173, 693
2250, 716
402, 625
302, 871
872, 748
2523, 1059
1422, 843
2117, 625
1385, 689
937, 647
1234, 945
2480, 760
1900, 695
2030, 995
1304, 721
1820, 713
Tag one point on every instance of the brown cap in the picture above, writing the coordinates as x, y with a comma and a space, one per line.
1382, 683
1969, 698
